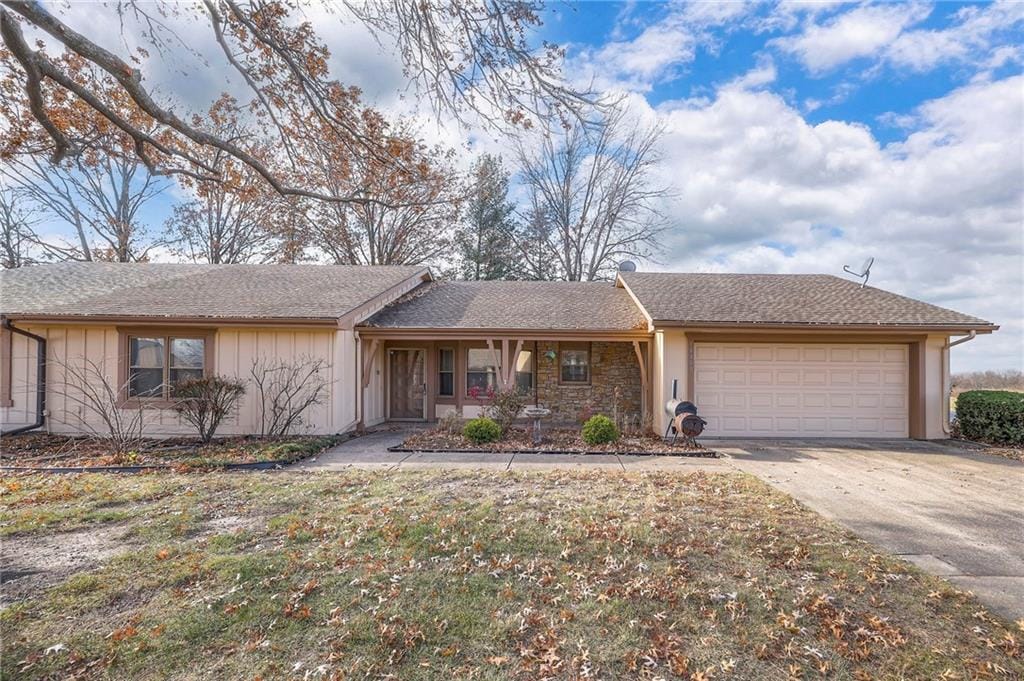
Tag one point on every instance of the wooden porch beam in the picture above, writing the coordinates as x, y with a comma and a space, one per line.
368, 361
497, 362
643, 376
513, 362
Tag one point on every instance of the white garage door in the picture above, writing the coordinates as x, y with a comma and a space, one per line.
802, 390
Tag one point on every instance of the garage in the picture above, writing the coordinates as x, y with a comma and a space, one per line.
802, 389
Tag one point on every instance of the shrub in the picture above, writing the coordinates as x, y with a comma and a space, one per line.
599, 430
991, 416
204, 402
504, 406
481, 430
285, 391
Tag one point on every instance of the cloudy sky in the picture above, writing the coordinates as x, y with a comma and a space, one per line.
799, 137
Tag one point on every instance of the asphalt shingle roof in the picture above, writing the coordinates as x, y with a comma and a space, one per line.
555, 305
812, 299
158, 290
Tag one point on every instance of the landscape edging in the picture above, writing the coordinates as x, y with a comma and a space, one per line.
693, 454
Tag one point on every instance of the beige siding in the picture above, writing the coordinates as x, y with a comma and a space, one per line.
936, 402
670, 362
235, 350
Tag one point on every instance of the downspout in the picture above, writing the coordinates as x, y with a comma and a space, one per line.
947, 389
40, 379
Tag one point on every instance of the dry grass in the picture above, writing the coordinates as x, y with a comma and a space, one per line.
439, 575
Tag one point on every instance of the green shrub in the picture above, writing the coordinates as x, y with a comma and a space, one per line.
991, 416
481, 430
599, 430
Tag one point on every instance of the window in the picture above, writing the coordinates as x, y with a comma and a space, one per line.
575, 362
446, 372
480, 370
146, 369
524, 372
158, 362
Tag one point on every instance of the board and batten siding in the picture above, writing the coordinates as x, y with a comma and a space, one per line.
235, 350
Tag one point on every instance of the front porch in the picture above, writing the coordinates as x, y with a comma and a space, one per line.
421, 377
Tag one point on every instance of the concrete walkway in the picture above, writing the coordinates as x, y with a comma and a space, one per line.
370, 452
956, 513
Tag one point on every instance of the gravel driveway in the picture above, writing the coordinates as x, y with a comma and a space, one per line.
954, 512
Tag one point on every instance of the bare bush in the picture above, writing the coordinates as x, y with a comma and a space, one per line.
286, 391
204, 402
88, 385
504, 406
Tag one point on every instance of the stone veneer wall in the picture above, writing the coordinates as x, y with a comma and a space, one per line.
612, 365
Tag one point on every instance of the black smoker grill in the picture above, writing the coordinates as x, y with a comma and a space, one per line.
684, 421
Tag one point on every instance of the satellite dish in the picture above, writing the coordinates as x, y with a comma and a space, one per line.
864, 272
627, 266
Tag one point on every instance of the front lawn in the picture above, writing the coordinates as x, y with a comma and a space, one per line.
438, 575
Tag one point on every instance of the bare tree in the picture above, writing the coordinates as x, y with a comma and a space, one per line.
597, 188
99, 198
286, 391
15, 231
88, 385
419, 197
464, 54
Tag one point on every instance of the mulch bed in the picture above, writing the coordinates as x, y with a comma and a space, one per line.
51, 451
1013, 452
555, 441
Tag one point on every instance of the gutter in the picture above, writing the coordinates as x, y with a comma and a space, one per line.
40, 379
947, 389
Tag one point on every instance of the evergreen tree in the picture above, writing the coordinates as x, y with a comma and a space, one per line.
485, 239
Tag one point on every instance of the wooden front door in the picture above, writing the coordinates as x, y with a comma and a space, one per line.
406, 383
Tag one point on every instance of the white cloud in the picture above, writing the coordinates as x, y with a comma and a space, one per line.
761, 189
969, 39
860, 32
762, 74
886, 35
660, 50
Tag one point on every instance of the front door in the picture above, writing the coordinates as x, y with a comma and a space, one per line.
406, 383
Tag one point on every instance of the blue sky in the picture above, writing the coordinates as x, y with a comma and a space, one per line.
799, 137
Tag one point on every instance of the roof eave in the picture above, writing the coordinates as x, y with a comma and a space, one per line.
331, 322
980, 327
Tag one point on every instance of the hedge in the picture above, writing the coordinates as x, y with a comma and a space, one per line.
995, 416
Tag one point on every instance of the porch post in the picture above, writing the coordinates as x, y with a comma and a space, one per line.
643, 377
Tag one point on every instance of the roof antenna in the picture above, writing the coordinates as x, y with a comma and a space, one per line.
864, 273
627, 266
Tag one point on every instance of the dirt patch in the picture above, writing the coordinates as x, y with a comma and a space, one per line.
230, 524
29, 564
